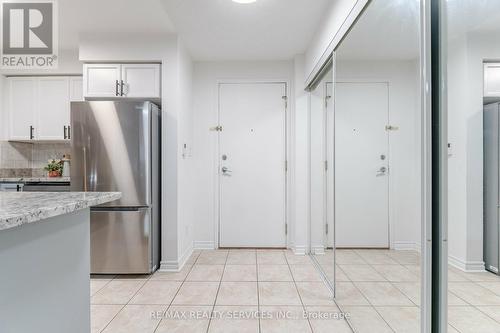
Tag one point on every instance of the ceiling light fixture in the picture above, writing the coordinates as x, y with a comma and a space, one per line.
244, 1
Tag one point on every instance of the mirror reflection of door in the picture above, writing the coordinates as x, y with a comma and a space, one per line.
362, 165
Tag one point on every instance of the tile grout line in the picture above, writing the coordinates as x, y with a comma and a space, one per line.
468, 304
109, 280
124, 305
317, 266
217, 293
298, 293
177, 292
393, 284
258, 291
477, 306
373, 307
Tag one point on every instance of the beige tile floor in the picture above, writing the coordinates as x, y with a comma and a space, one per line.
219, 291
223, 290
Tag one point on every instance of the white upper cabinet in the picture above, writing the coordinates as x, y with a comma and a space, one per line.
121, 81
39, 107
141, 80
22, 103
76, 89
53, 108
101, 80
492, 80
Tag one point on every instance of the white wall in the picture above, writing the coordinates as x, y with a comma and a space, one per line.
300, 156
176, 119
466, 54
205, 78
334, 25
186, 186
404, 150
457, 163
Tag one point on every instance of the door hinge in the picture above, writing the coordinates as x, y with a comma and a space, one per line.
216, 129
286, 166
286, 228
285, 98
326, 228
391, 128
327, 98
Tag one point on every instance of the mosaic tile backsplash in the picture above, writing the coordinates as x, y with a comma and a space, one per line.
28, 159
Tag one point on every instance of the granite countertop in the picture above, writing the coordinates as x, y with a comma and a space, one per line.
18, 208
34, 179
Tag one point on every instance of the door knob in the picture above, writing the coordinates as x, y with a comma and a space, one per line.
382, 171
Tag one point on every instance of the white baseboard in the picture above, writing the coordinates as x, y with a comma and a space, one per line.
406, 246
176, 265
318, 249
203, 245
466, 266
299, 250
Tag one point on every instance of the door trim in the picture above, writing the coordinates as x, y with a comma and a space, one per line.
391, 214
287, 141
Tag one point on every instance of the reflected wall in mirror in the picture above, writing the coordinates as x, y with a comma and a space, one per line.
322, 203
375, 175
473, 170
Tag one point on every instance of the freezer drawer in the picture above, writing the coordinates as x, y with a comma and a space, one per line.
120, 241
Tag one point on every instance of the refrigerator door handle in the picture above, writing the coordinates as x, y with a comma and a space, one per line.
118, 209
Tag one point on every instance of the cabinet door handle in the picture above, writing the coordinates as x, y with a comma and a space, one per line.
116, 88
69, 132
32, 130
121, 88
65, 133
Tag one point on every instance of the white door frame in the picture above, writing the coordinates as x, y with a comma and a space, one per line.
391, 191
216, 165
329, 132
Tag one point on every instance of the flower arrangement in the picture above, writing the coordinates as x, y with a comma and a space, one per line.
54, 168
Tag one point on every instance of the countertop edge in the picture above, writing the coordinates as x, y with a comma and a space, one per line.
42, 213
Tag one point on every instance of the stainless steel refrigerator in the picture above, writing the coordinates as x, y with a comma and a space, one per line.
116, 147
491, 178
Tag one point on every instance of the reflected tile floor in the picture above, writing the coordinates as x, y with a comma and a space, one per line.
270, 290
380, 289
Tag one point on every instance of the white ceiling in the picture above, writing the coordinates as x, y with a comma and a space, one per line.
78, 17
387, 30
265, 30
473, 16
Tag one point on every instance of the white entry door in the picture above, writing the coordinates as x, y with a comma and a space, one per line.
361, 165
252, 173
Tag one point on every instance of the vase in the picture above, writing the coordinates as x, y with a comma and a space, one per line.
53, 174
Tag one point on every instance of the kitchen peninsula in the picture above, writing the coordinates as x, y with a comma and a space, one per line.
45, 260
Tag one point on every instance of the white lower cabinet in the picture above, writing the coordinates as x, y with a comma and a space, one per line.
39, 107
